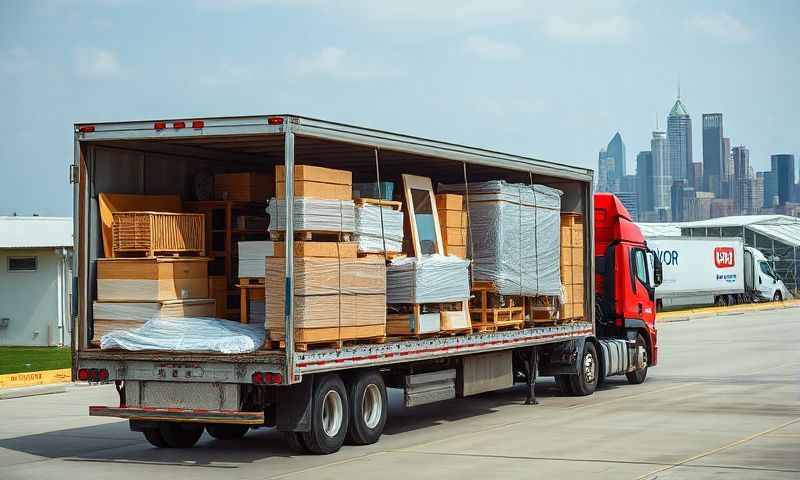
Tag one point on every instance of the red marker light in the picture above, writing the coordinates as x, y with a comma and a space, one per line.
177, 125
160, 125
258, 378
277, 378
83, 374
102, 374
198, 124
86, 128
275, 120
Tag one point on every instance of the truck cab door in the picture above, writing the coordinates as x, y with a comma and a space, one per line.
639, 298
766, 279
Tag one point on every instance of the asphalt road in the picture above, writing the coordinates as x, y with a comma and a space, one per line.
724, 402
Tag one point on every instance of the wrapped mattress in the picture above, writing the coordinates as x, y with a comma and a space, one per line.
427, 279
372, 235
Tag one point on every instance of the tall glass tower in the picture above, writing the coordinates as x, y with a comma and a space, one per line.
616, 150
661, 173
679, 137
712, 152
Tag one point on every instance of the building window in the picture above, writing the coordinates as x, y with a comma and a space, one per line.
22, 264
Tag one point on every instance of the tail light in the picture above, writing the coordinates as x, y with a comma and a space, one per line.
258, 378
267, 378
160, 125
86, 128
83, 374
98, 375
275, 120
198, 124
178, 125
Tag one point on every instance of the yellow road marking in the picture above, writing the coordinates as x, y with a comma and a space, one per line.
27, 379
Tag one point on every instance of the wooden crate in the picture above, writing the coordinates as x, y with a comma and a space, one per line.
244, 187
429, 319
453, 223
490, 312
151, 233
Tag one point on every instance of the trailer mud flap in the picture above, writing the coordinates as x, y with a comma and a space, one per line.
294, 406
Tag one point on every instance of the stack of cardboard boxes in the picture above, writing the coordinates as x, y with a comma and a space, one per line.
337, 296
572, 265
453, 223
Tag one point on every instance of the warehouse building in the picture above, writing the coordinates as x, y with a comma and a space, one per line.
776, 236
35, 286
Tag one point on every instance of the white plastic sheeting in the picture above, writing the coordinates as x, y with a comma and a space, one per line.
188, 335
515, 235
428, 279
313, 214
371, 233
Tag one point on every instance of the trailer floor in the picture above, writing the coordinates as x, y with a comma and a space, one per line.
724, 402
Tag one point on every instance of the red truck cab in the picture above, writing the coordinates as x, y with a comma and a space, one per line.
626, 276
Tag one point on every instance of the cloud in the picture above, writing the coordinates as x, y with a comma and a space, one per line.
585, 27
719, 25
96, 63
17, 60
338, 63
485, 47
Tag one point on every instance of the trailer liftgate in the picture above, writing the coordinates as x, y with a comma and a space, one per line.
199, 137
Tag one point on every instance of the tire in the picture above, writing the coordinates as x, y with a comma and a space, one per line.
585, 382
153, 435
564, 384
369, 407
638, 376
226, 432
296, 442
330, 416
778, 297
180, 435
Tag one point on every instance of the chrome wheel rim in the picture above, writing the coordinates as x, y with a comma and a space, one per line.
332, 413
589, 368
372, 406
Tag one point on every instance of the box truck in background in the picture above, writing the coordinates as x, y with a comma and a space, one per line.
706, 271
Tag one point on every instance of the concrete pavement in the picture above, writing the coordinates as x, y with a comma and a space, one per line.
723, 402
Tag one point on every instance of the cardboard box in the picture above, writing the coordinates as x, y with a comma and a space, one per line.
316, 182
319, 249
244, 187
577, 235
458, 251
452, 218
577, 256
152, 279
566, 236
449, 201
456, 236
566, 256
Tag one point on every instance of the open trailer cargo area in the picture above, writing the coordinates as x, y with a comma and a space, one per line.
459, 261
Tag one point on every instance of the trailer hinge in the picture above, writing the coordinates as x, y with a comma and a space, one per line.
74, 171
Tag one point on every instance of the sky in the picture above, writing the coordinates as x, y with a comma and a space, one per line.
552, 80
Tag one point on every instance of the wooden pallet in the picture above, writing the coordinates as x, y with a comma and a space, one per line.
454, 318
248, 281
491, 312
388, 255
395, 205
542, 311
313, 236
330, 337
158, 253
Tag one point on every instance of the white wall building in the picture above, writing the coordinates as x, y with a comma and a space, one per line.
35, 280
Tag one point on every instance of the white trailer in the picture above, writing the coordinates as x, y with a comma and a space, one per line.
712, 271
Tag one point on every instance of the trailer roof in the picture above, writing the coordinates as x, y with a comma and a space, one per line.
216, 134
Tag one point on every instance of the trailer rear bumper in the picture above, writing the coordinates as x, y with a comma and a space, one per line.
179, 415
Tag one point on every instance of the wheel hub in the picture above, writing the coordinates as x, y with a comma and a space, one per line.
589, 368
372, 406
332, 413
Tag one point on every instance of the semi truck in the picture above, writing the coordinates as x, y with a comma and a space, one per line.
713, 271
320, 397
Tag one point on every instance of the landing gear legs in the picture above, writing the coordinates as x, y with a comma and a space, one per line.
531, 362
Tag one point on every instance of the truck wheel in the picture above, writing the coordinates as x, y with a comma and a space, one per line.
637, 376
369, 407
330, 416
585, 382
153, 435
180, 435
296, 442
226, 432
778, 297
564, 384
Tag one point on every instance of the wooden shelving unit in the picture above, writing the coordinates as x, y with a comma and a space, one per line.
221, 245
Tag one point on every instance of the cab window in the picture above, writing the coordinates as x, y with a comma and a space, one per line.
766, 270
640, 263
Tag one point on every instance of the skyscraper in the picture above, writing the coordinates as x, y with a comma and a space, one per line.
679, 137
770, 189
712, 152
661, 174
616, 150
726, 181
645, 184
741, 162
606, 175
783, 168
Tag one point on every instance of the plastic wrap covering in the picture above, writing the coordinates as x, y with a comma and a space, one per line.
251, 258
313, 214
515, 231
369, 228
188, 335
427, 279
